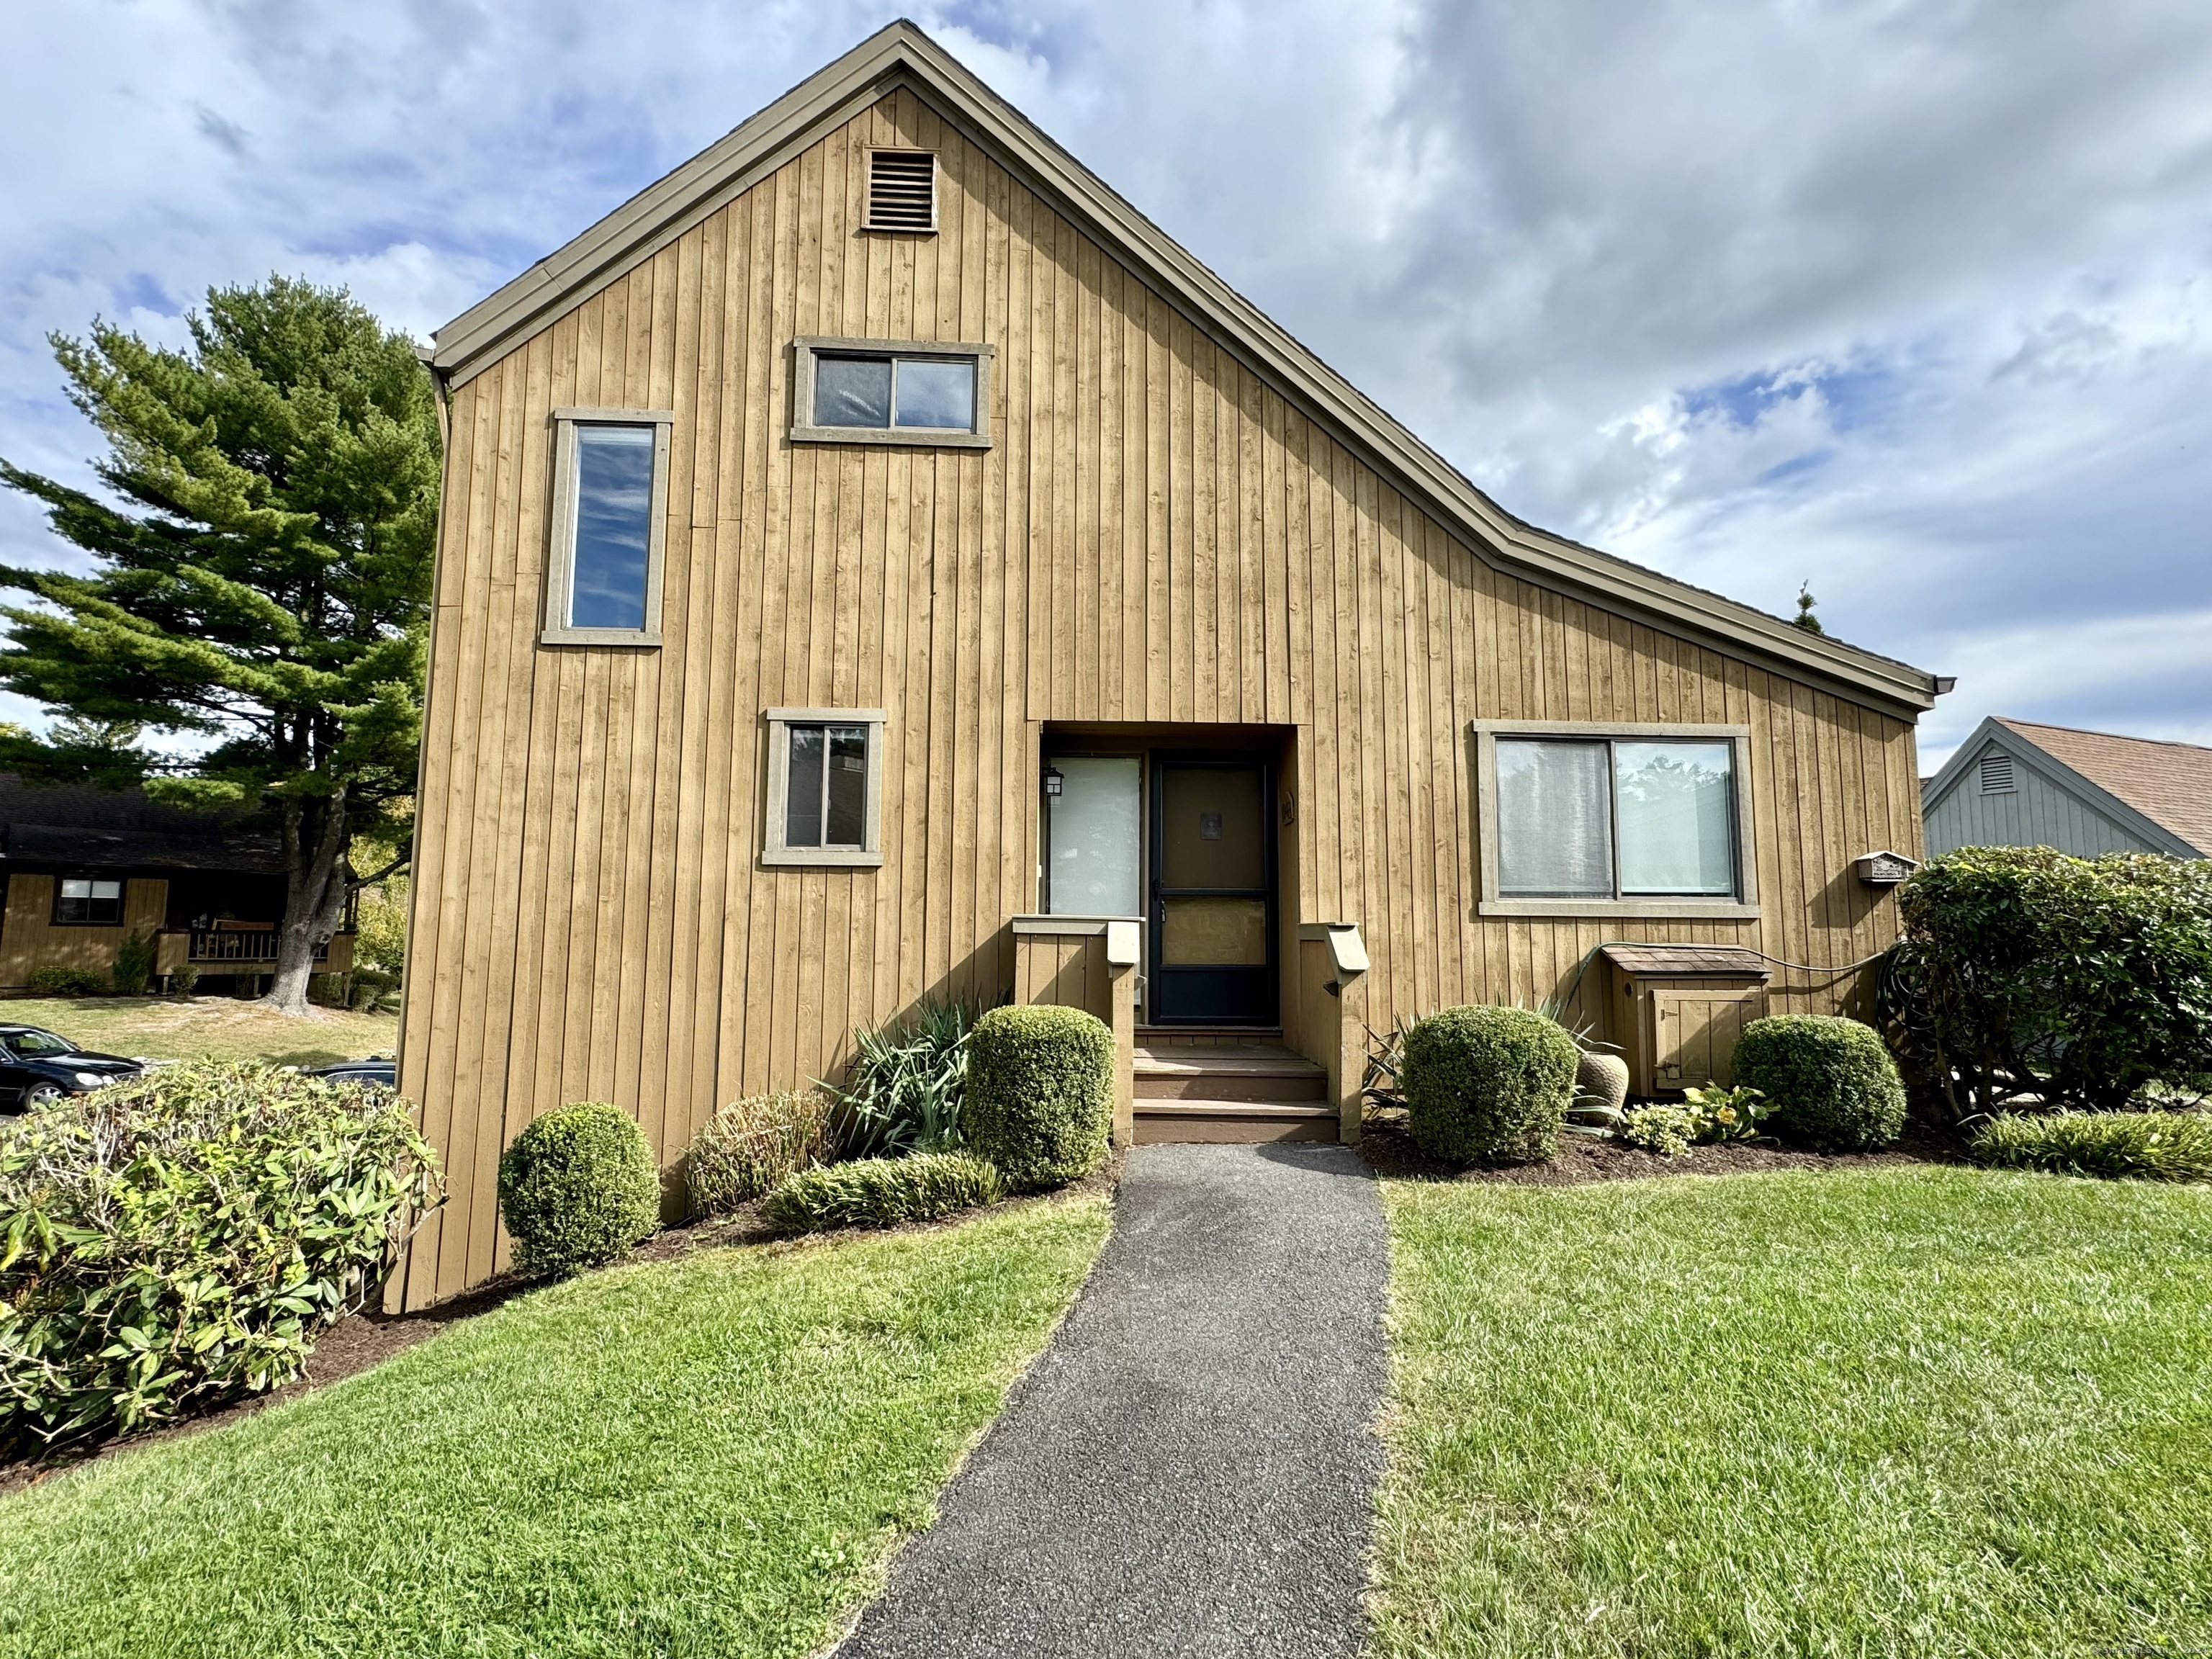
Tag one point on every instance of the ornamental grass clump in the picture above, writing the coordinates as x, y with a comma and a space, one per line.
751, 1145
1040, 1093
1487, 1084
883, 1192
906, 1084
577, 1188
172, 1241
1831, 1082
2146, 1145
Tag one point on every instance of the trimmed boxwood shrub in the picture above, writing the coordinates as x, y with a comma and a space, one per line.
883, 1192
1831, 1080
172, 1242
1040, 1093
1486, 1084
577, 1188
2148, 1145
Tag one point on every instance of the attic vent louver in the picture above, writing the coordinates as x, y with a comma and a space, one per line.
902, 190
1996, 775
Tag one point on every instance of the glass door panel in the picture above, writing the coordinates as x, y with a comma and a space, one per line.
1213, 896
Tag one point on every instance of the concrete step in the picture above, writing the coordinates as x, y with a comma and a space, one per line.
1195, 1074
1162, 1121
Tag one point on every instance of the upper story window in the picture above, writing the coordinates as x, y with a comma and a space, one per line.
891, 392
824, 786
87, 901
1584, 819
610, 517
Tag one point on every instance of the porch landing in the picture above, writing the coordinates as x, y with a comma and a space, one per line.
1227, 1086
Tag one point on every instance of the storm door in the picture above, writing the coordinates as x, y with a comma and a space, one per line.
1212, 911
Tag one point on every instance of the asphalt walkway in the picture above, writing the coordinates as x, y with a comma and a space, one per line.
1190, 1469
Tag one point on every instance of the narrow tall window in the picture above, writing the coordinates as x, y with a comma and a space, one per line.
610, 488
825, 787
84, 900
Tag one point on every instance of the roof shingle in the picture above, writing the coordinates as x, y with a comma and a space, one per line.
2169, 783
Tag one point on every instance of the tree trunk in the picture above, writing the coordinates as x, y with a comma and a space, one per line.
314, 896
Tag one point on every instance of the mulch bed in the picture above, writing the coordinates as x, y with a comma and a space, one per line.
366, 1339
1585, 1158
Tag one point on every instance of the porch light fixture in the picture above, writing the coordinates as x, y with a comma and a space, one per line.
1053, 779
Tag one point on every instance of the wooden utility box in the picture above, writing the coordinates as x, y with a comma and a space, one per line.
1678, 1009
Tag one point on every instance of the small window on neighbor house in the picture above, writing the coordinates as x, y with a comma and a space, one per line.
1997, 775
1608, 819
871, 393
86, 900
824, 786
603, 583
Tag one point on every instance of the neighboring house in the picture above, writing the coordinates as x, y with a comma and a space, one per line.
2014, 783
878, 564
87, 868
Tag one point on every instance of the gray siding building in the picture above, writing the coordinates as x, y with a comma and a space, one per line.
2014, 783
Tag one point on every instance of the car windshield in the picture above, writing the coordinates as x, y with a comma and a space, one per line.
39, 1044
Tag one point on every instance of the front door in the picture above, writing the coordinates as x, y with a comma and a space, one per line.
1212, 904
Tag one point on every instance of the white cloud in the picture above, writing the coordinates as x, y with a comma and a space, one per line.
1906, 299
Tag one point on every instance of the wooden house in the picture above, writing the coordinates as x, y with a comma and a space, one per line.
84, 869
877, 564
2017, 783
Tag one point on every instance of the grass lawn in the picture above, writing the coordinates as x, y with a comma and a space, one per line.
707, 1457
1898, 1411
196, 1027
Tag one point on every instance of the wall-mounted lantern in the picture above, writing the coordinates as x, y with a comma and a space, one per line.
1054, 779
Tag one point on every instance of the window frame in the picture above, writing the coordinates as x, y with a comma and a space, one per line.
776, 808
807, 349
555, 627
122, 901
1743, 906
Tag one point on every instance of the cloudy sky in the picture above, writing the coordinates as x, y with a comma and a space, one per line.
1908, 299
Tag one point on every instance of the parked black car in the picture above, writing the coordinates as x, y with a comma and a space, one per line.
39, 1066
377, 1069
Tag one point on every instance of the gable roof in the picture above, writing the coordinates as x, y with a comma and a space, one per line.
2161, 790
2169, 783
901, 56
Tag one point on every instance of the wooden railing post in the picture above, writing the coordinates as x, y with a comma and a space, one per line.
1333, 999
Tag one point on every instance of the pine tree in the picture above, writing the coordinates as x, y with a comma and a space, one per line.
258, 605
1805, 618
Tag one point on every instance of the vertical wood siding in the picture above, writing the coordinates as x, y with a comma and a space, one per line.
1155, 536
2036, 812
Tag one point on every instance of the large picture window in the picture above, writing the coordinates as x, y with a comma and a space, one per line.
889, 392
825, 787
609, 510
1643, 820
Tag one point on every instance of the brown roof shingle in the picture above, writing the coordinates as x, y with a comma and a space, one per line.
2169, 783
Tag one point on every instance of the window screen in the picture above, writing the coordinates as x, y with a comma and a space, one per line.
1612, 818
86, 899
614, 526
926, 393
828, 800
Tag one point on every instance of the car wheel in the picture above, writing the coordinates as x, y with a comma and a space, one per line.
41, 1096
